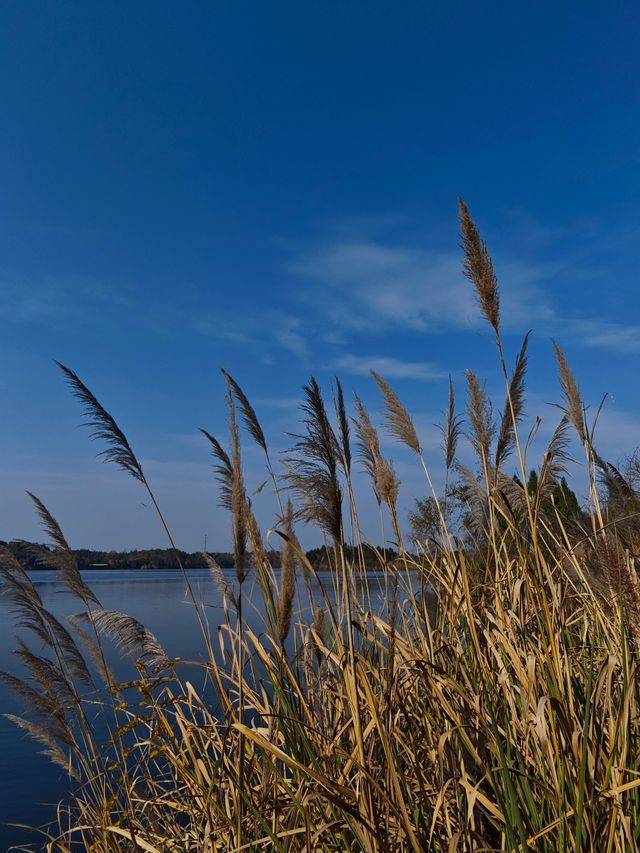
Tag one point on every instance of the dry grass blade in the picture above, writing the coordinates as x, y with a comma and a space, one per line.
513, 407
104, 428
573, 400
478, 268
129, 635
248, 414
480, 416
398, 420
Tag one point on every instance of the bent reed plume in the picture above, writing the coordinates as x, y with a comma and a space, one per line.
490, 704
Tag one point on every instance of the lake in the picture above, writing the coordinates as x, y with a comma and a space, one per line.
30, 785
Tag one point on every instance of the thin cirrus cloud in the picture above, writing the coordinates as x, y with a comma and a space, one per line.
372, 286
270, 329
34, 299
369, 286
606, 335
391, 368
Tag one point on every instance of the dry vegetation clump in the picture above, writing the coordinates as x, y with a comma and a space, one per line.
493, 705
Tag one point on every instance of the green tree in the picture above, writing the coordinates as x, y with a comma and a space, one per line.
561, 499
424, 520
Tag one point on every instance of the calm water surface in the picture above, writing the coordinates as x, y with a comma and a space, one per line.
30, 785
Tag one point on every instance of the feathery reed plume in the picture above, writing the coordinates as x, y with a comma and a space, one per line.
450, 431
67, 649
480, 415
48, 676
260, 560
119, 452
248, 414
513, 408
574, 406
18, 588
511, 491
287, 578
399, 423
387, 482
344, 445
96, 655
475, 499
614, 482
223, 469
128, 633
104, 428
368, 443
320, 628
622, 485
33, 616
48, 735
219, 579
313, 467
381, 471
44, 704
62, 557
238, 496
478, 268
556, 458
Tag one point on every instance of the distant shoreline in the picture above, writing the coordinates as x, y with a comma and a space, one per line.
34, 557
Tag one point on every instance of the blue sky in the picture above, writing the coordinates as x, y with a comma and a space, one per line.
271, 187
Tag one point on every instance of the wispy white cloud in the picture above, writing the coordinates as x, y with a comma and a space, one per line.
392, 368
372, 286
271, 329
604, 334
69, 299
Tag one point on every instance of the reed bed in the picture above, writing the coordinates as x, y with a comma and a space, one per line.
493, 705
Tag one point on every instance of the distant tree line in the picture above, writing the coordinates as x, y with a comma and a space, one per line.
165, 558
374, 558
148, 558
